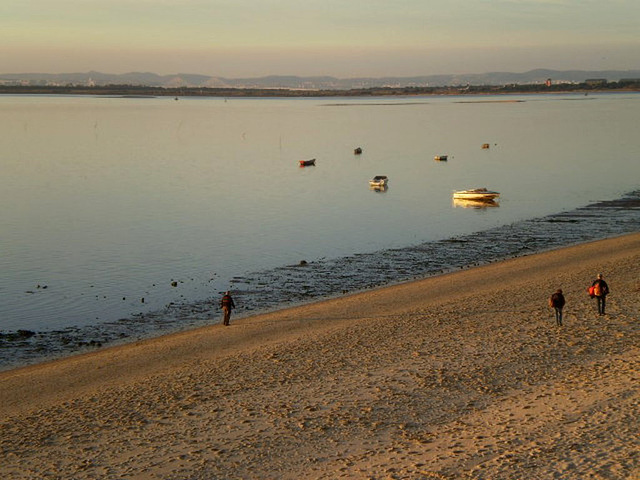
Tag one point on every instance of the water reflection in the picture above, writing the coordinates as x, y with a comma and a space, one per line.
379, 188
479, 204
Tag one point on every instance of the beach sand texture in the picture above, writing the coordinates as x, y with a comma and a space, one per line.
464, 375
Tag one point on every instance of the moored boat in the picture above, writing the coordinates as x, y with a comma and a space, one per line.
357, 151
481, 194
308, 163
441, 158
379, 181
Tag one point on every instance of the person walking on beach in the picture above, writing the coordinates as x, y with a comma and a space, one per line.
557, 303
600, 291
226, 303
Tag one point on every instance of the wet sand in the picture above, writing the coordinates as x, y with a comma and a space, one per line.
464, 375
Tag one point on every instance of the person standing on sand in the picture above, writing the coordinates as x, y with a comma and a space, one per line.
557, 302
600, 290
226, 303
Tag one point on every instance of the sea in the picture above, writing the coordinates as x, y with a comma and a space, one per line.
125, 218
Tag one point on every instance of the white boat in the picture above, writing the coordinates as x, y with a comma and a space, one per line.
379, 181
476, 194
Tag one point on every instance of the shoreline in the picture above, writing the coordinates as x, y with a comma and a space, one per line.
302, 305
460, 373
274, 289
128, 91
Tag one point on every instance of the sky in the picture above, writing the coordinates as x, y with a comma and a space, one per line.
341, 38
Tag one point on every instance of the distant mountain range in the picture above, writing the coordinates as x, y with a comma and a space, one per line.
312, 83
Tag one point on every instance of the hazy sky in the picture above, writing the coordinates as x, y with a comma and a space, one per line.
343, 38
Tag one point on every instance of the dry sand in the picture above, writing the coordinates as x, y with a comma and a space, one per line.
463, 375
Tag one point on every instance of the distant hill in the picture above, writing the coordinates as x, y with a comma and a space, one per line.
312, 83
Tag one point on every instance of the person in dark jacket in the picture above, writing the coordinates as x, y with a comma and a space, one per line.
557, 302
600, 290
226, 303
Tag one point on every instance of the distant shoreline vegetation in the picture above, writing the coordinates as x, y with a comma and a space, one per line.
138, 91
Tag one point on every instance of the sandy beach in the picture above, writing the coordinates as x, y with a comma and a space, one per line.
463, 375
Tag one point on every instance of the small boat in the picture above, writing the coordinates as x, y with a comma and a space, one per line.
308, 163
379, 181
441, 158
357, 151
476, 194
485, 146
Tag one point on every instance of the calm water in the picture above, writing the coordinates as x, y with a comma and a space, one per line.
108, 201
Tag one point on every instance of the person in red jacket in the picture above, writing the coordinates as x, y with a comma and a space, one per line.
226, 303
600, 290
